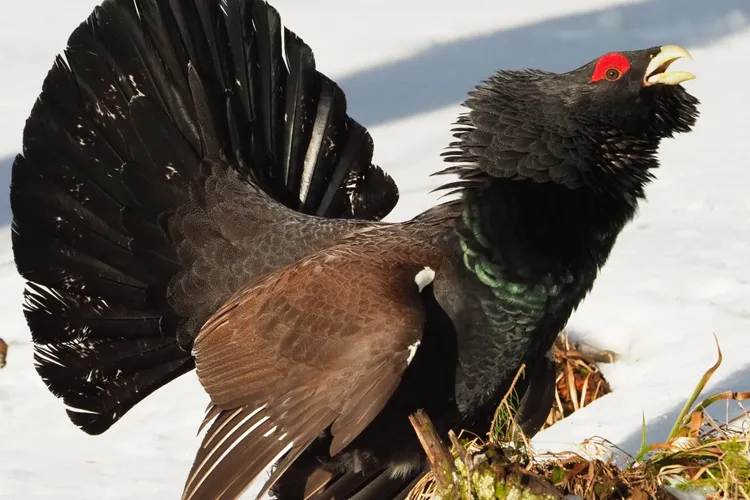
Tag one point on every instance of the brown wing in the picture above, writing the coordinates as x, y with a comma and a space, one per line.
319, 344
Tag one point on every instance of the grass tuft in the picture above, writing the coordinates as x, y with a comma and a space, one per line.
579, 380
700, 454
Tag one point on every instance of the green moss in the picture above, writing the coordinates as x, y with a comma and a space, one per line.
500, 490
558, 474
484, 485
460, 467
518, 493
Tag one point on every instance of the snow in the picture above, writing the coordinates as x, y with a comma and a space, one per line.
679, 273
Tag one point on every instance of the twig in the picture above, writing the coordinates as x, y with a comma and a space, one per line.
439, 457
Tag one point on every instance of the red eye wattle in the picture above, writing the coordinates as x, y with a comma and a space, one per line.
610, 67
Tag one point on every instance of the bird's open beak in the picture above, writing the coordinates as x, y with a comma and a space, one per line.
656, 72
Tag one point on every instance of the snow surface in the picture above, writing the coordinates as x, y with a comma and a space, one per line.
678, 274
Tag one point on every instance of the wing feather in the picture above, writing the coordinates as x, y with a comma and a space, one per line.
318, 345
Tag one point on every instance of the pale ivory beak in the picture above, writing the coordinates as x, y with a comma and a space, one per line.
656, 72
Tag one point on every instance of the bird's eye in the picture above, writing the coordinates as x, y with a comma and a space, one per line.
613, 74
610, 67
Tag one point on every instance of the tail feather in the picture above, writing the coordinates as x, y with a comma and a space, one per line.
537, 395
267, 68
300, 103
169, 159
307, 479
120, 360
378, 485
384, 487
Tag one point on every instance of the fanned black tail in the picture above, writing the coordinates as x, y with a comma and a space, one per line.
145, 191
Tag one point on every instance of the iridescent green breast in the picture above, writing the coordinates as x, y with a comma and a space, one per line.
532, 295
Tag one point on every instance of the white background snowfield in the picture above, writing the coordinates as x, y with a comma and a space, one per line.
678, 274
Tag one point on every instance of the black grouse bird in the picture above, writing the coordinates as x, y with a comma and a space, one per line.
192, 193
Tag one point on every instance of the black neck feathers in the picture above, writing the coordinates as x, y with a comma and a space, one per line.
539, 229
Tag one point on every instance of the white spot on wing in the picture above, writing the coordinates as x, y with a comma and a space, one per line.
271, 431
171, 171
137, 91
424, 277
412, 351
399, 470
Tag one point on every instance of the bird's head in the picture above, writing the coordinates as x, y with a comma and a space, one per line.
598, 126
633, 93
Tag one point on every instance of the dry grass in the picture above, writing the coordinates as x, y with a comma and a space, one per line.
3, 353
579, 380
700, 453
